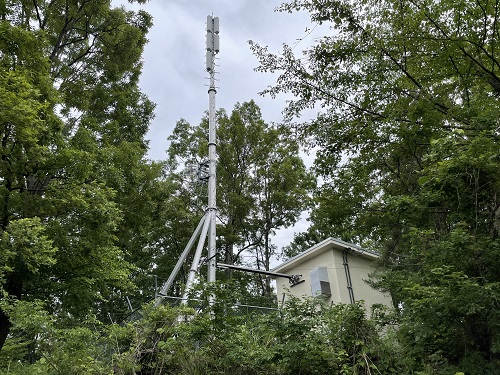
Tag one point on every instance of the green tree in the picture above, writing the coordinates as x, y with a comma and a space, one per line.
408, 152
262, 181
72, 148
391, 80
284, 193
304, 338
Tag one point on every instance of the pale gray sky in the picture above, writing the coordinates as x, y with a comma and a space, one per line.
174, 59
174, 62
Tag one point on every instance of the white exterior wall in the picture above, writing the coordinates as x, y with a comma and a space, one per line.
304, 289
360, 266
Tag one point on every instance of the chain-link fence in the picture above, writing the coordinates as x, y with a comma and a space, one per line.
237, 309
199, 305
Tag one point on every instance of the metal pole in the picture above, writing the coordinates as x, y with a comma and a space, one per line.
156, 287
173, 274
212, 50
129, 304
196, 260
294, 279
209, 219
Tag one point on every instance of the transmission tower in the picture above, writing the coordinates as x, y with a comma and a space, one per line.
207, 223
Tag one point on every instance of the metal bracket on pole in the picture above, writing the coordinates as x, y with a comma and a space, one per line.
293, 279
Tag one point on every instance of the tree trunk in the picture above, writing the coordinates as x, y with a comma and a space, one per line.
5, 325
267, 257
229, 259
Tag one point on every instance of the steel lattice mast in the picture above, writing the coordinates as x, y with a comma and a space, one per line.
208, 222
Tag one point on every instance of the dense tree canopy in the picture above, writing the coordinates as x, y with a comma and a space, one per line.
72, 124
409, 153
407, 140
262, 182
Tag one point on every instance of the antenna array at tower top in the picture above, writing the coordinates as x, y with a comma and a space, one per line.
212, 41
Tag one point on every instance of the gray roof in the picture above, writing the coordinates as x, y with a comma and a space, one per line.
325, 245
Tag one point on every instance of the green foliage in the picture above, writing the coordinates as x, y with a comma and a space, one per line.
304, 338
73, 173
263, 184
24, 246
149, 345
408, 152
38, 346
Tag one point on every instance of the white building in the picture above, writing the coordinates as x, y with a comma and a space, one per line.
333, 269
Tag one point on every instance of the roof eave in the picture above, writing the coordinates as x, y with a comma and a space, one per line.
321, 247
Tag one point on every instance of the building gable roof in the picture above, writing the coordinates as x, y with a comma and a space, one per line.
328, 244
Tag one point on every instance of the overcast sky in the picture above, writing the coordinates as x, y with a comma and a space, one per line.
174, 74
